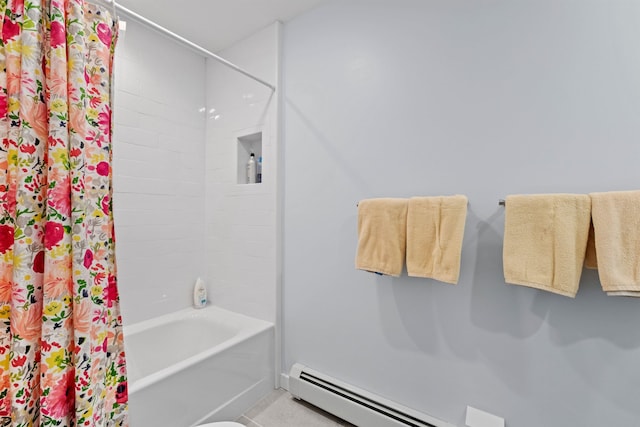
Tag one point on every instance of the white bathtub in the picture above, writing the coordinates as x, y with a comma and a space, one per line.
196, 366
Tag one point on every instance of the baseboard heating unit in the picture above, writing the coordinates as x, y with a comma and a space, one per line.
352, 404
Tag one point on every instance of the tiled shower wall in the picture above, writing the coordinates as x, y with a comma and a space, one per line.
159, 172
242, 255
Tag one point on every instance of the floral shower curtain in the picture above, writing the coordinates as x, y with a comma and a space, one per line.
61, 345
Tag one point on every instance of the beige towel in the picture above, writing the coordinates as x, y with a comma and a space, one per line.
545, 239
435, 227
382, 230
591, 262
616, 222
591, 257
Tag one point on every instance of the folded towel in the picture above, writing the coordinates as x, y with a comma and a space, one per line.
616, 222
545, 239
435, 227
382, 230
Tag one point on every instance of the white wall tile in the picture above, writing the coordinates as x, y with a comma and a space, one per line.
165, 204
241, 219
159, 179
136, 135
124, 116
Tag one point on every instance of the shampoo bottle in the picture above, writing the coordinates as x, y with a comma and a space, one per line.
251, 169
199, 294
259, 174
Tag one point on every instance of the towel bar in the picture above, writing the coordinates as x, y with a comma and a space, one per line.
501, 202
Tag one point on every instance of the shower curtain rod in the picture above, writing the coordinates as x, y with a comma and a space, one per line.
182, 40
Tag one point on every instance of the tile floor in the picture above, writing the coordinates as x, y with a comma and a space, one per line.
280, 409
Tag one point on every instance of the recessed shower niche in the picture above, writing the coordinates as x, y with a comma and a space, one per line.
248, 143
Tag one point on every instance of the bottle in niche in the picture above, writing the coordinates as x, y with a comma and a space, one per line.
251, 169
259, 174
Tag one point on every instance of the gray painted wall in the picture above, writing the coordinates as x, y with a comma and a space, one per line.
480, 97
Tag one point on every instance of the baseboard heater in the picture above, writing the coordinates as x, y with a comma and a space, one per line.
352, 404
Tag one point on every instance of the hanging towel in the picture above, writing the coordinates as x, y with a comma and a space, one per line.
545, 239
382, 229
435, 227
616, 222
590, 257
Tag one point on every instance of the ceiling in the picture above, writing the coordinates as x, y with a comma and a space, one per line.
216, 24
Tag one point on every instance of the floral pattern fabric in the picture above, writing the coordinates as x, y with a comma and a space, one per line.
61, 346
